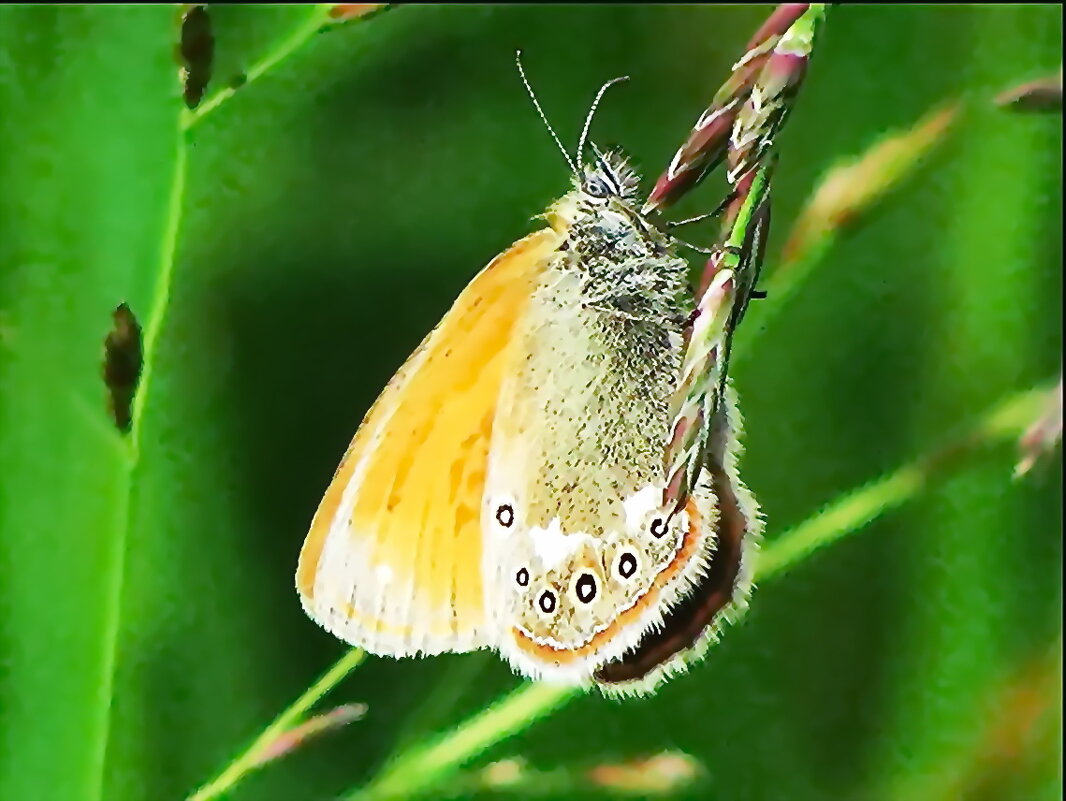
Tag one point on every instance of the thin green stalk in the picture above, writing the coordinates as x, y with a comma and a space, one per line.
866, 504
161, 293
844, 195
249, 760
317, 18
152, 329
432, 713
423, 764
415, 771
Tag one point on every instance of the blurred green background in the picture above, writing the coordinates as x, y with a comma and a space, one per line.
333, 210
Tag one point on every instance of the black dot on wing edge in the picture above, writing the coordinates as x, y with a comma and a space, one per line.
505, 515
546, 602
585, 589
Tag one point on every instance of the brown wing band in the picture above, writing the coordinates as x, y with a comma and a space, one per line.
689, 619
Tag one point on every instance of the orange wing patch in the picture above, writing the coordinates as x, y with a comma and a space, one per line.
392, 562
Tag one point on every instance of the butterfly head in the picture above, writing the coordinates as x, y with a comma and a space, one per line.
604, 192
608, 178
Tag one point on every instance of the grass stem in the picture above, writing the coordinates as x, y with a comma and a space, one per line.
250, 758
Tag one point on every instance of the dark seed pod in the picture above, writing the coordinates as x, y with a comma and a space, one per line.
196, 52
123, 358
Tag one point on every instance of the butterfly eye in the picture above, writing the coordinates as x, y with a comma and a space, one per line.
546, 602
627, 565
585, 588
658, 527
596, 187
522, 577
505, 515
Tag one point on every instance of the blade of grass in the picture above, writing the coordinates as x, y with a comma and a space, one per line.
250, 759
434, 710
95, 741
90, 137
1004, 171
152, 330
416, 770
870, 502
423, 764
153, 327
161, 295
845, 195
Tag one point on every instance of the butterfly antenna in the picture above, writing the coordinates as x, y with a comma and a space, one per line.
592, 112
540, 111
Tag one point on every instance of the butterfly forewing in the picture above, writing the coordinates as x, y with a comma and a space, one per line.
393, 558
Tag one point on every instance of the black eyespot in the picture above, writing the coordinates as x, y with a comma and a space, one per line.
505, 515
658, 527
522, 577
546, 602
585, 588
627, 565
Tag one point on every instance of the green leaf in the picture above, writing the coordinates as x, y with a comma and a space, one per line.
88, 126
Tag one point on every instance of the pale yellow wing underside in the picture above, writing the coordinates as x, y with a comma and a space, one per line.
392, 562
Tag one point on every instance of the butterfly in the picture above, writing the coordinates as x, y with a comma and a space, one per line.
510, 487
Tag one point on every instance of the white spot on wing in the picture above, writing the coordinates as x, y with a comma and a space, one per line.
640, 503
552, 546
383, 573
